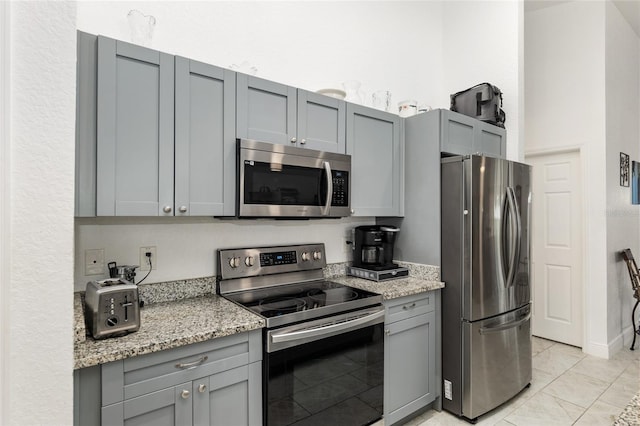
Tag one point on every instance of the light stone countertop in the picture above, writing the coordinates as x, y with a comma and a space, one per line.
392, 289
188, 311
170, 325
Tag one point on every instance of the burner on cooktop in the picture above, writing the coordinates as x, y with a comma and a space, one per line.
282, 304
333, 295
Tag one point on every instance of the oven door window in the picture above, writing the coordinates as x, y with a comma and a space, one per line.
336, 380
283, 184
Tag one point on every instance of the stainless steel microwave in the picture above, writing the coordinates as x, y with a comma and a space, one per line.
284, 181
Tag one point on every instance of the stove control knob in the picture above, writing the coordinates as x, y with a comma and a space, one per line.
317, 255
234, 262
305, 256
248, 261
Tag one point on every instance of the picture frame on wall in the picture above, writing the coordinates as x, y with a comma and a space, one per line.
635, 182
624, 169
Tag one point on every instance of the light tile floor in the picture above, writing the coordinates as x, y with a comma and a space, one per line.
568, 388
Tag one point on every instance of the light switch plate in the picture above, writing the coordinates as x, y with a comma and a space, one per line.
94, 262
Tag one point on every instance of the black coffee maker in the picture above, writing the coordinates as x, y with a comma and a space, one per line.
373, 247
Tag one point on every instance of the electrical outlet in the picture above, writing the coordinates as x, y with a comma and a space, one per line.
94, 262
144, 260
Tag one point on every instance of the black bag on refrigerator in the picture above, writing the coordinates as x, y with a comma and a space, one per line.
482, 101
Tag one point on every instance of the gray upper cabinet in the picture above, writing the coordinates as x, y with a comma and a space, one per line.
204, 139
377, 157
462, 135
155, 133
321, 122
276, 113
266, 111
134, 130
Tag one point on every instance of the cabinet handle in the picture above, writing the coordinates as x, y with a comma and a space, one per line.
387, 332
411, 306
303, 141
166, 209
192, 364
185, 394
183, 209
294, 140
202, 388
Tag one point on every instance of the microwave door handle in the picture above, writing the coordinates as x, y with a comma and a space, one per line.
327, 204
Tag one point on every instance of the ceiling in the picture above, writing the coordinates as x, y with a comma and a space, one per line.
630, 9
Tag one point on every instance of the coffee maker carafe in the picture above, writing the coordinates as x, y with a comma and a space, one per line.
373, 246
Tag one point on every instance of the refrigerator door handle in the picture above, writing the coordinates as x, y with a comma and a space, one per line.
515, 234
503, 327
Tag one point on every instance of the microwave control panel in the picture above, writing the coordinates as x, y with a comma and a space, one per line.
340, 197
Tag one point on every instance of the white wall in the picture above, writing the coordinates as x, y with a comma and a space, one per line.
623, 135
582, 90
392, 45
40, 344
187, 248
483, 42
565, 108
5, 212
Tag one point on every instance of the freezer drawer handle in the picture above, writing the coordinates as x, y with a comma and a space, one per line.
507, 326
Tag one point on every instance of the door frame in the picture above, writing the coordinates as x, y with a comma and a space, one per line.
580, 150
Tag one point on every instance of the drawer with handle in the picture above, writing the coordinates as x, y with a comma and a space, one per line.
409, 306
140, 375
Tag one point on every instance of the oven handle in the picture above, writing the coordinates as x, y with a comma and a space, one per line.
327, 204
329, 330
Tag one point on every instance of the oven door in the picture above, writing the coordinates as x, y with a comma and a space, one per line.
328, 371
282, 181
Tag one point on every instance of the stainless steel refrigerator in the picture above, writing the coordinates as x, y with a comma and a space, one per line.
486, 303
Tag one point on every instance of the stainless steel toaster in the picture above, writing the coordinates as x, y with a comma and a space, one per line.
111, 308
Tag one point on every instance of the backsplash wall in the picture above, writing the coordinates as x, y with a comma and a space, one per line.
186, 247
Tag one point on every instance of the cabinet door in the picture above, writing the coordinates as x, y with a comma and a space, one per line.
204, 139
229, 398
458, 133
167, 407
321, 122
410, 362
491, 140
266, 111
377, 157
463, 135
134, 130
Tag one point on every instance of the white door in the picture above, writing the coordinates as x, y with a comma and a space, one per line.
557, 223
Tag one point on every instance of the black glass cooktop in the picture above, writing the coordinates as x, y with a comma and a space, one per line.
290, 303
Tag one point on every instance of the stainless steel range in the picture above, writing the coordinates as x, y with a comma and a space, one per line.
323, 359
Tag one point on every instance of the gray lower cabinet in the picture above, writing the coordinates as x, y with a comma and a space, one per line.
218, 382
374, 141
462, 135
272, 112
156, 133
412, 355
